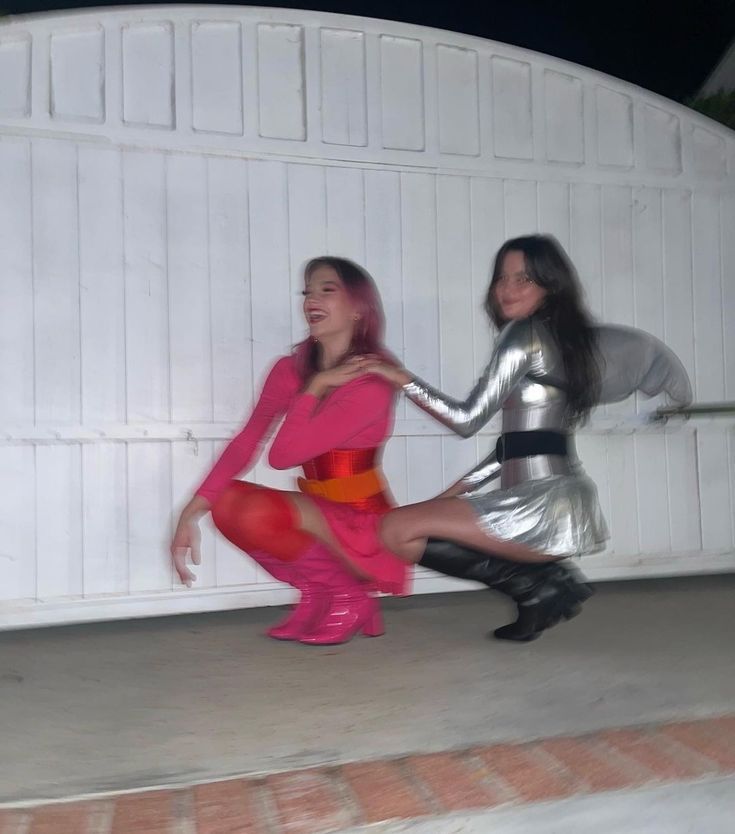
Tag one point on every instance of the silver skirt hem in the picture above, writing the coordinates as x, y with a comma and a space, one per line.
559, 515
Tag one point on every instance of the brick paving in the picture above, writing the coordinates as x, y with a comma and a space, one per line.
320, 800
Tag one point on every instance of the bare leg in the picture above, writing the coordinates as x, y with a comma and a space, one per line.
406, 529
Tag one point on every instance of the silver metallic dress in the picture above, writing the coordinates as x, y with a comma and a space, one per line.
546, 501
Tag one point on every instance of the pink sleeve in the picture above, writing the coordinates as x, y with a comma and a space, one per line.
278, 389
309, 431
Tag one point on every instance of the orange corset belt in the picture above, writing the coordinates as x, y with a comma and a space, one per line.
345, 490
348, 476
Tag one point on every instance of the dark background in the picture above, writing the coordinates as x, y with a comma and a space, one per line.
669, 47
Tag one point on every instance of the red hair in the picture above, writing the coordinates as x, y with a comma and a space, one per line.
369, 328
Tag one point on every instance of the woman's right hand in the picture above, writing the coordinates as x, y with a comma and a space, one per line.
395, 374
187, 539
324, 381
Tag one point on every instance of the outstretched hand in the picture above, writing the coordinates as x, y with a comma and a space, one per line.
186, 541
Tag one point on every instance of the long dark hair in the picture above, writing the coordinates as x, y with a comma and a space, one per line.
548, 265
367, 337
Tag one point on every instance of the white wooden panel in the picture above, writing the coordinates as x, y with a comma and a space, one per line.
662, 140
307, 233
648, 263
269, 263
105, 519
454, 267
727, 218
512, 117
216, 74
150, 520
189, 301
593, 453
554, 211
714, 489
653, 499
677, 262
346, 213
624, 496
17, 523
15, 70
457, 82
383, 253
521, 207
585, 246
78, 75
16, 309
648, 286
58, 521
229, 273
420, 289
148, 75
709, 153
101, 275
56, 282
424, 468
617, 247
271, 291
402, 93
614, 128
684, 504
708, 312
394, 466
618, 266
343, 87
488, 234
281, 92
146, 287
564, 117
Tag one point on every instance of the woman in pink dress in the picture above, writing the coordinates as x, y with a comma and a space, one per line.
335, 423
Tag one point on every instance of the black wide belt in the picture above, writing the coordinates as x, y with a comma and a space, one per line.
525, 444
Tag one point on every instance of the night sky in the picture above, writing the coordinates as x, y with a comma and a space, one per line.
669, 46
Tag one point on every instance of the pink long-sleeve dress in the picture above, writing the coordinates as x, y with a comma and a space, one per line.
338, 436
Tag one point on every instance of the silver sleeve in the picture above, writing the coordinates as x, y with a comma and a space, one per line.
510, 361
481, 475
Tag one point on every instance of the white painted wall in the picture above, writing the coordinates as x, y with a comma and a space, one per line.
164, 174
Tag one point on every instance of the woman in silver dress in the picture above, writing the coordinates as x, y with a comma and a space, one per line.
546, 374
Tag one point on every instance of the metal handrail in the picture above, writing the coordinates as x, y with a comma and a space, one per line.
694, 410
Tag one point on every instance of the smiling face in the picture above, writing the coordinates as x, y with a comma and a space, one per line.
329, 310
516, 294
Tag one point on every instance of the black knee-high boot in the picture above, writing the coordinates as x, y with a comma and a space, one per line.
544, 592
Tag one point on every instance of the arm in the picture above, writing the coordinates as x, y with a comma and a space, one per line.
313, 426
237, 455
479, 476
277, 391
511, 360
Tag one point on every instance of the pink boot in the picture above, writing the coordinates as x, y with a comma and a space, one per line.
349, 613
311, 607
350, 610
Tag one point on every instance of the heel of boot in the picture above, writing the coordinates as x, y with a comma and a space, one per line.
374, 626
